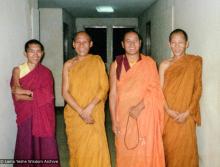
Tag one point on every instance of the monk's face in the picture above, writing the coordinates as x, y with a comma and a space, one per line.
34, 54
82, 44
178, 44
131, 43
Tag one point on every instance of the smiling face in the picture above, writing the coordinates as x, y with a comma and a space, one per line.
131, 43
178, 44
82, 44
34, 54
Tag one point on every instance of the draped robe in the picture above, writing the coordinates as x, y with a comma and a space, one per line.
139, 143
182, 90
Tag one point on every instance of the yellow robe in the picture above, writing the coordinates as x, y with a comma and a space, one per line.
182, 90
87, 142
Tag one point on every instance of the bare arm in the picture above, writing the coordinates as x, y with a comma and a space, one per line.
18, 92
65, 88
163, 67
112, 97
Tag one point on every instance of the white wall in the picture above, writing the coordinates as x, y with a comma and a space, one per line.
109, 23
15, 30
200, 19
160, 16
51, 35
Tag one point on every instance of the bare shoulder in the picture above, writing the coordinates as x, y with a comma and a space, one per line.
69, 63
113, 67
165, 63
16, 71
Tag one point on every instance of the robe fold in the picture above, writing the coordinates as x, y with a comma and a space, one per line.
139, 143
36, 118
182, 90
87, 142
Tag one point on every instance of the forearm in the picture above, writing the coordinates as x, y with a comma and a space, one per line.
72, 102
20, 91
19, 97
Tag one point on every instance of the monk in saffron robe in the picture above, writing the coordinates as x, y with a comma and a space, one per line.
32, 90
136, 105
182, 83
85, 87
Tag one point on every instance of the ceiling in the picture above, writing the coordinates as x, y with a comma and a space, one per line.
87, 8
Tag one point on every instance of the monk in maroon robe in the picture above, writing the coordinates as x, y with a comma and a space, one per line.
32, 92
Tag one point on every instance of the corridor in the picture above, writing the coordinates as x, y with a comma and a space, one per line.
54, 22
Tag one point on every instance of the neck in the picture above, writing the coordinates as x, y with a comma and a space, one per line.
81, 57
175, 57
31, 66
133, 57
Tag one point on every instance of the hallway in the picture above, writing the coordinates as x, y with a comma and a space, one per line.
54, 25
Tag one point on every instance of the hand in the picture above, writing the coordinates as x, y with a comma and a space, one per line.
181, 118
115, 128
21, 91
85, 114
135, 111
173, 114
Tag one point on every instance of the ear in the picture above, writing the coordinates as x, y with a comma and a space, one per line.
168, 44
91, 44
122, 44
25, 53
73, 45
187, 44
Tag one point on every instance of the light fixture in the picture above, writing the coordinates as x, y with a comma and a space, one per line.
104, 9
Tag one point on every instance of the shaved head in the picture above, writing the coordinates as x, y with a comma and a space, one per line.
82, 33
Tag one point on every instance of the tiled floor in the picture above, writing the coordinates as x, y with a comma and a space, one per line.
62, 143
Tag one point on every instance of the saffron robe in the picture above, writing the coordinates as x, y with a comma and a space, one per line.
36, 118
139, 143
87, 142
182, 90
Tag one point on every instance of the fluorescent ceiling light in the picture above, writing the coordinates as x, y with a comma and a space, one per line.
105, 9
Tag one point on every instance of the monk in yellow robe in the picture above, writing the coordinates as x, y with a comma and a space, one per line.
182, 83
136, 105
85, 87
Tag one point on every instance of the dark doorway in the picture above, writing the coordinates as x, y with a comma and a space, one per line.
99, 38
148, 39
118, 34
65, 42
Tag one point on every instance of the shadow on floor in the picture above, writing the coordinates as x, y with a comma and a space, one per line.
62, 141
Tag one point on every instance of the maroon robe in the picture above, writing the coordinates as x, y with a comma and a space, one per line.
36, 119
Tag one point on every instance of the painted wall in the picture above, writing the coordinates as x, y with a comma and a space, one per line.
51, 35
200, 19
160, 16
16, 28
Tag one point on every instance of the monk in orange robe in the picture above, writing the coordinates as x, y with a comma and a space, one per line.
85, 87
182, 83
136, 105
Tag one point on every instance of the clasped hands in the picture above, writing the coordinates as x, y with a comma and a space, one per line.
177, 116
85, 114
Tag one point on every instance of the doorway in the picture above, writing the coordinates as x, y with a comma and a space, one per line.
118, 34
99, 38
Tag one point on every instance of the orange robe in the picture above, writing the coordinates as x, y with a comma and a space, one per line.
87, 142
182, 90
139, 144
